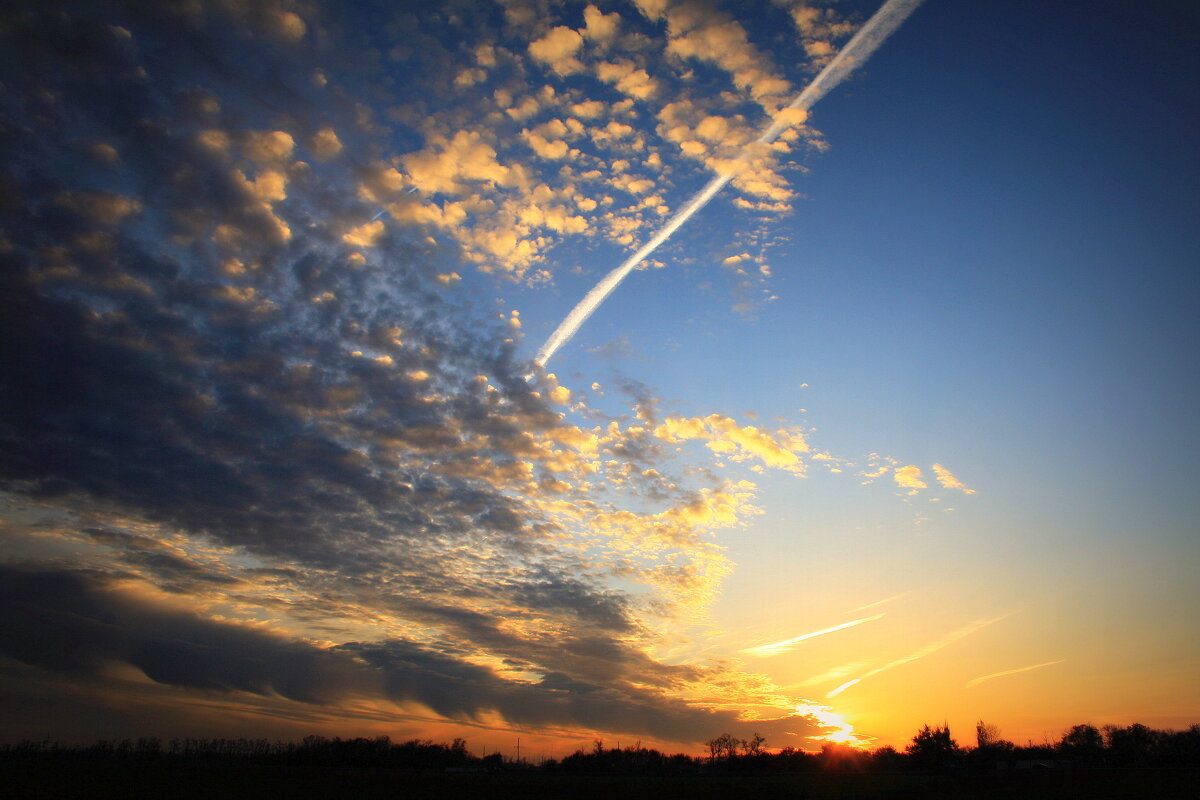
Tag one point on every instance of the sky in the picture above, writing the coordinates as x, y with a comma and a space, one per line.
895, 430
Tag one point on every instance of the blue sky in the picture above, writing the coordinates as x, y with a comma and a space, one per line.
995, 255
918, 380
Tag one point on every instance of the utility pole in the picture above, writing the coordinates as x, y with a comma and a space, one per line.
518, 749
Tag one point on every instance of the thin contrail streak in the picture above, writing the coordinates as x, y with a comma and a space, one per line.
861, 46
878, 603
776, 648
976, 681
928, 649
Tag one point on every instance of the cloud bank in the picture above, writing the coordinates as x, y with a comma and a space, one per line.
255, 442
264, 447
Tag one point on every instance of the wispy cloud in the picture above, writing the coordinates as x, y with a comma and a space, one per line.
946, 479
837, 673
882, 602
843, 687
976, 681
929, 649
776, 648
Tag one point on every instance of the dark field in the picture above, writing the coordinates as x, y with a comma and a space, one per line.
49, 778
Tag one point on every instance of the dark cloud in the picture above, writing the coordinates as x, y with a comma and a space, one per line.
142, 375
172, 570
79, 623
456, 689
73, 623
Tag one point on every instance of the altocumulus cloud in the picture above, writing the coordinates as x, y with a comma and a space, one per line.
252, 445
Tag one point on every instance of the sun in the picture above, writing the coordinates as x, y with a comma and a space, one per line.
839, 730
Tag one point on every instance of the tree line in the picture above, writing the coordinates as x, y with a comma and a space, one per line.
379, 751
932, 748
935, 748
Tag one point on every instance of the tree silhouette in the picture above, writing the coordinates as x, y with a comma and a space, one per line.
753, 747
1083, 743
1131, 746
933, 748
986, 735
723, 747
990, 750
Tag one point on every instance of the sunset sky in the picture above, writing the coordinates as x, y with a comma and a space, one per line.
899, 429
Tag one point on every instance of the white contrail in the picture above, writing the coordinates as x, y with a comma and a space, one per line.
928, 649
884, 601
976, 681
775, 648
861, 46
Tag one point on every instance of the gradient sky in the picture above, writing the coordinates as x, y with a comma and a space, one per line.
898, 430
